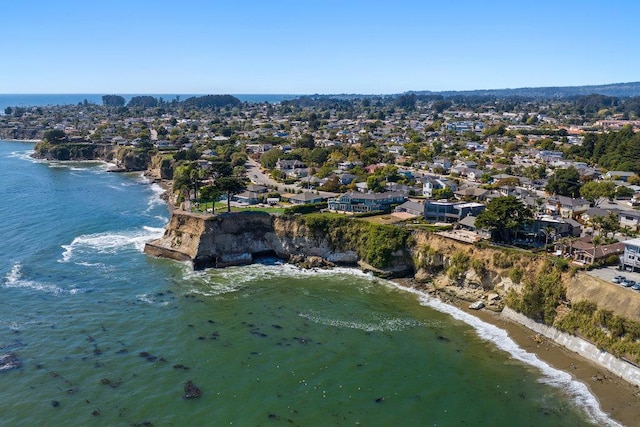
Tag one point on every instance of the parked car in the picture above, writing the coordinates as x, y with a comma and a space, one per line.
636, 287
618, 279
628, 283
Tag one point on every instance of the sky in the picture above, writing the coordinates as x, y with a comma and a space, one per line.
309, 47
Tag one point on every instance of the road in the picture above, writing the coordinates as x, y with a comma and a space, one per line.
257, 176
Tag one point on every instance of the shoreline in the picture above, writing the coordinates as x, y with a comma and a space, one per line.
616, 397
30, 141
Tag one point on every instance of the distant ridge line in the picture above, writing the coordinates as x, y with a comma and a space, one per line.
613, 89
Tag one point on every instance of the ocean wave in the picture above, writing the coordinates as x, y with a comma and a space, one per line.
110, 242
26, 155
149, 299
233, 278
383, 325
500, 338
155, 199
14, 279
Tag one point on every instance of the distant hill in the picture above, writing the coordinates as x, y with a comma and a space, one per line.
620, 90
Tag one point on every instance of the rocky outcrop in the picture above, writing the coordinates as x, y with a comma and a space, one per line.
22, 133
76, 151
219, 240
161, 167
132, 159
127, 158
239, 238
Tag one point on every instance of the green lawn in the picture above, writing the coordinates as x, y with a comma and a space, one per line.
222, 207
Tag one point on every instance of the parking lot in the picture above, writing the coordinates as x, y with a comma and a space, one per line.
609, 273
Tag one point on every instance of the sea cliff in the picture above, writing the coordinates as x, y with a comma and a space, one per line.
126, 158
227, 239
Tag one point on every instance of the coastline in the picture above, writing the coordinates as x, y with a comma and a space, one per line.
617, 397
30, 141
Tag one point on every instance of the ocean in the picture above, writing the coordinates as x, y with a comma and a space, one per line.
109, 336
35, 100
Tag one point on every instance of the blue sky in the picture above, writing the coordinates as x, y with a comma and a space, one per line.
328, 46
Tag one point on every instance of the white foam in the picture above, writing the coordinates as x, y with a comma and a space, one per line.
238, 276
156, 197
499, 337
110, 242
26, 155
146, 298
14, 279
384, 325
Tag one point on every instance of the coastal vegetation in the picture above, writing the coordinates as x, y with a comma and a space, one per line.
375, 243
608, 331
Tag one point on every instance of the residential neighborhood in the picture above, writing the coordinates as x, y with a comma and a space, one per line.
405, 158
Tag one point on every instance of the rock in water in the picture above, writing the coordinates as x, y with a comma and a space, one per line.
9, 361
310, 262
191, 391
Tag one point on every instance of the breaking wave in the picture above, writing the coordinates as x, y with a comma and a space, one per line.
383, 325
109, 242
14, 279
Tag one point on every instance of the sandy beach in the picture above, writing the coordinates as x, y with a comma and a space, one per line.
617, 397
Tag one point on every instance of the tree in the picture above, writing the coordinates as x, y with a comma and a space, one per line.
565, 182
269, 159
375, 183
230, 186
210, 193
182, 179
548, 232
441, 105
623, 192
113, 101
609, 224
306, 141
442, 193
634, 179
144, 101
319, 155
597, 192
55, 136
503, 216
406, 101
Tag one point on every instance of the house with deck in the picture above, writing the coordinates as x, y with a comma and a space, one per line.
450, 211
353, 202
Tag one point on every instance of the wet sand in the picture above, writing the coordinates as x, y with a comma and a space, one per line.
617, 397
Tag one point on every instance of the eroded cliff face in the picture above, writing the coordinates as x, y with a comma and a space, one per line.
296, 239
219, 240
239, 238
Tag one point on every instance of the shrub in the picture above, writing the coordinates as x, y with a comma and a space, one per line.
502, 260
515, 274
458, 265
540, 295
305, 209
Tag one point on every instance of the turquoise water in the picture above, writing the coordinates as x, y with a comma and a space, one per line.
109, 336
